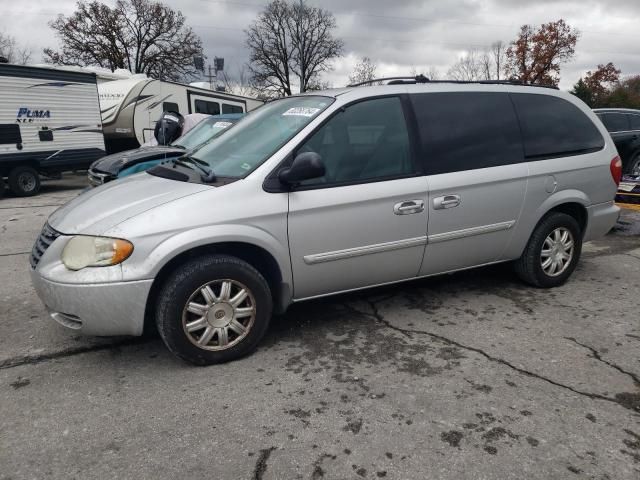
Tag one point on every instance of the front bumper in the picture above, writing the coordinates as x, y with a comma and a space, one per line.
102, 309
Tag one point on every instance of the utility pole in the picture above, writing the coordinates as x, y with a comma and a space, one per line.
218, 66
211, 76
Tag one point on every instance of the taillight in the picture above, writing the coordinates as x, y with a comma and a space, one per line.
616, 170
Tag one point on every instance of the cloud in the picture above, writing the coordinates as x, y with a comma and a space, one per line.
397, 35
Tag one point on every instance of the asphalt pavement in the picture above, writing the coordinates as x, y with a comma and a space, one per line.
465, 376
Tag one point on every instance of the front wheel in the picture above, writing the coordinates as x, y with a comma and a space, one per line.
213, 309
24, 181
552, 253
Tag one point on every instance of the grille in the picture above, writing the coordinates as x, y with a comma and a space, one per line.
46, 238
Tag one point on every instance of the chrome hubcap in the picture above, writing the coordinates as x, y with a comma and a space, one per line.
635, 169
219, 314
557, 252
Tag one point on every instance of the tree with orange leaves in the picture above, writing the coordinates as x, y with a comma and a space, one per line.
596, 87
601, 82
536, 55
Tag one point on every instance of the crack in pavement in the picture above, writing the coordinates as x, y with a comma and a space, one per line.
68, 352
13, 254
595, 354
376, 315
261, 463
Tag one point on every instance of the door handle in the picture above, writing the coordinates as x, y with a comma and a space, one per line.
448, 201
408, 207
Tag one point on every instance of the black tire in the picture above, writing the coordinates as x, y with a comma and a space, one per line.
186, 281
24, 181
1, 187
632, 164
529, 265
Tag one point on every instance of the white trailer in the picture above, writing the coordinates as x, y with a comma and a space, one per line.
49, 123
131, 107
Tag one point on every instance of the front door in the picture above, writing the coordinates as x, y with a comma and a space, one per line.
365, 222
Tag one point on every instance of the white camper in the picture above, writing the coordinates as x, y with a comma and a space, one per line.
49, 123
131, 107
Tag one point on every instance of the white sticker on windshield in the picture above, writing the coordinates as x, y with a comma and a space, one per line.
222, 124
245, 166
301, 111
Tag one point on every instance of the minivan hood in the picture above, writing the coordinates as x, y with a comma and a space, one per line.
99, 209
116, 162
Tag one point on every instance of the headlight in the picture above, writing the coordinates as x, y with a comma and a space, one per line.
83, 251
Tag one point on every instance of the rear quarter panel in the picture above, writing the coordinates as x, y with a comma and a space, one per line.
583, 179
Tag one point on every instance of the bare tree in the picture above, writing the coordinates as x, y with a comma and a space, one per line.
142, 36
239, 82
469, 67
364, 71
271, 49
431, 72
14, 53
291, 40
498, 55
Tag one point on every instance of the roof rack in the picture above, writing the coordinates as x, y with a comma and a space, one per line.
423, 79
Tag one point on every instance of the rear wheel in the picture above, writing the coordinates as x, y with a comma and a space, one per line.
552, 253
1, 187
213, 309
24, 181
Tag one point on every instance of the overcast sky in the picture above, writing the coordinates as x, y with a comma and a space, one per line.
397, 34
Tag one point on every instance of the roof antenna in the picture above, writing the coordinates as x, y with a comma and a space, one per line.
422, 79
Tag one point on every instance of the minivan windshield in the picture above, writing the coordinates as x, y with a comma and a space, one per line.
259, 135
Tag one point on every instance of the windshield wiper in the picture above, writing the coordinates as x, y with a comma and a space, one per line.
206, 173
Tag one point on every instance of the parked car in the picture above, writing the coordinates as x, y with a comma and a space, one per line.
628, 194
329, 192
122, 164
624, 126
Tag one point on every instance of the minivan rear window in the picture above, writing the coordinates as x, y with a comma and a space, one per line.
553, 127
467, 130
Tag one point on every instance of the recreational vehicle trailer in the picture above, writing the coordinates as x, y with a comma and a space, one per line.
131, 107
49, 123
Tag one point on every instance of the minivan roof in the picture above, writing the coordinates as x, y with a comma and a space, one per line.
435, 86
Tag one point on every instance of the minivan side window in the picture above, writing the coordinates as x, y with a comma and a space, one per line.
366, 141
553, 127
467, 130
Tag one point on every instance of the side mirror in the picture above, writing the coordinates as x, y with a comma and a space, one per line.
305, 166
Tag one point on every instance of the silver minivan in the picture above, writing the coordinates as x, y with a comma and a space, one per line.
330, 192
